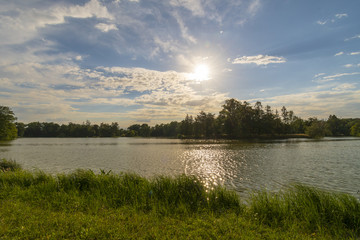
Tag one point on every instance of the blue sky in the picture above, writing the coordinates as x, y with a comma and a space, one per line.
150, 61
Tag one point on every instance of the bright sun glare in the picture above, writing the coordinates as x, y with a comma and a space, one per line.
201, 72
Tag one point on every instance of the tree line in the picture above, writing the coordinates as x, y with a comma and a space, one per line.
236, 120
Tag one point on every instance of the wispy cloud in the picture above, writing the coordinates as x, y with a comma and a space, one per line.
345, 86
254, 6
106, 27
336, 17
335, 76
184, 29
355, 53
319, 74
321, 22
351, 65
339, 54
258, 60
341, 15
342, 100
354, 37
195, 6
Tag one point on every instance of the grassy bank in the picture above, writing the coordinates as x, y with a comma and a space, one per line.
84, 205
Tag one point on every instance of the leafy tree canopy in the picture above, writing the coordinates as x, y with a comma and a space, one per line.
8, 130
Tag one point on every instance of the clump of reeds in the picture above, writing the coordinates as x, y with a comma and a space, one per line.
310, 208
9, 165
165, 195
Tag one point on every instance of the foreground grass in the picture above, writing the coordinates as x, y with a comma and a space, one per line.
84, 205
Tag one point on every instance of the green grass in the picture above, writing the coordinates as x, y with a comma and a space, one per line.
85, 205
312, 209
6, 165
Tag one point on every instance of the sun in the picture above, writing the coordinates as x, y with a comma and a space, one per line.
201, 72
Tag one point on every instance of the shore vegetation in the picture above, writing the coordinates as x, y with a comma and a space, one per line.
105, 205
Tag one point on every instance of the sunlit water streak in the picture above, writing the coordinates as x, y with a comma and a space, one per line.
333, 163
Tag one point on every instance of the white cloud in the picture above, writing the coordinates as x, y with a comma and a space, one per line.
78, 58
259, 60
335, 76
339, 53
342, 101
93, 8
345, 86
227, 70
184, 29
348, 65
194, 6
341, 15
44, 87
333, 20
319, 74
355, 53
254, 7
24, 25
321, 22
354, 37
106, 27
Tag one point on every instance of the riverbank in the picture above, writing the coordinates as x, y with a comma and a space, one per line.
84, 205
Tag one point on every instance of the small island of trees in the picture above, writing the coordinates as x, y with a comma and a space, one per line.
236, 120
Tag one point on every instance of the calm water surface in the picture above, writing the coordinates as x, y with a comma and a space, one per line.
331, 163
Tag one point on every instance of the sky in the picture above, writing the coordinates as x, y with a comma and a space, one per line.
154, 61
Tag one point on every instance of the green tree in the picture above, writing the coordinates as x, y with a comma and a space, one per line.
135, 128
20, 128
171, 129
187, 126
8, 130
334, 125
105, 130
229, 118
297, 125
268, 121
317, 129
355, 129
145, 130
50, 129
205, 125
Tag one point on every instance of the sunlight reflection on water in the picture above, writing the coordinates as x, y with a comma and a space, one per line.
213, 164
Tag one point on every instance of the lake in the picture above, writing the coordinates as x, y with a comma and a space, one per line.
330, 163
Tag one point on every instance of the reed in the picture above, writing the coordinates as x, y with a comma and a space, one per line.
164, 195
313, 209
9, 165
85, 205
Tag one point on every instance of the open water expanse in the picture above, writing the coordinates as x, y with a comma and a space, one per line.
330, 163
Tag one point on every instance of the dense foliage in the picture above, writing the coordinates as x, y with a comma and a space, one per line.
235, 120
85, 205
8, 129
